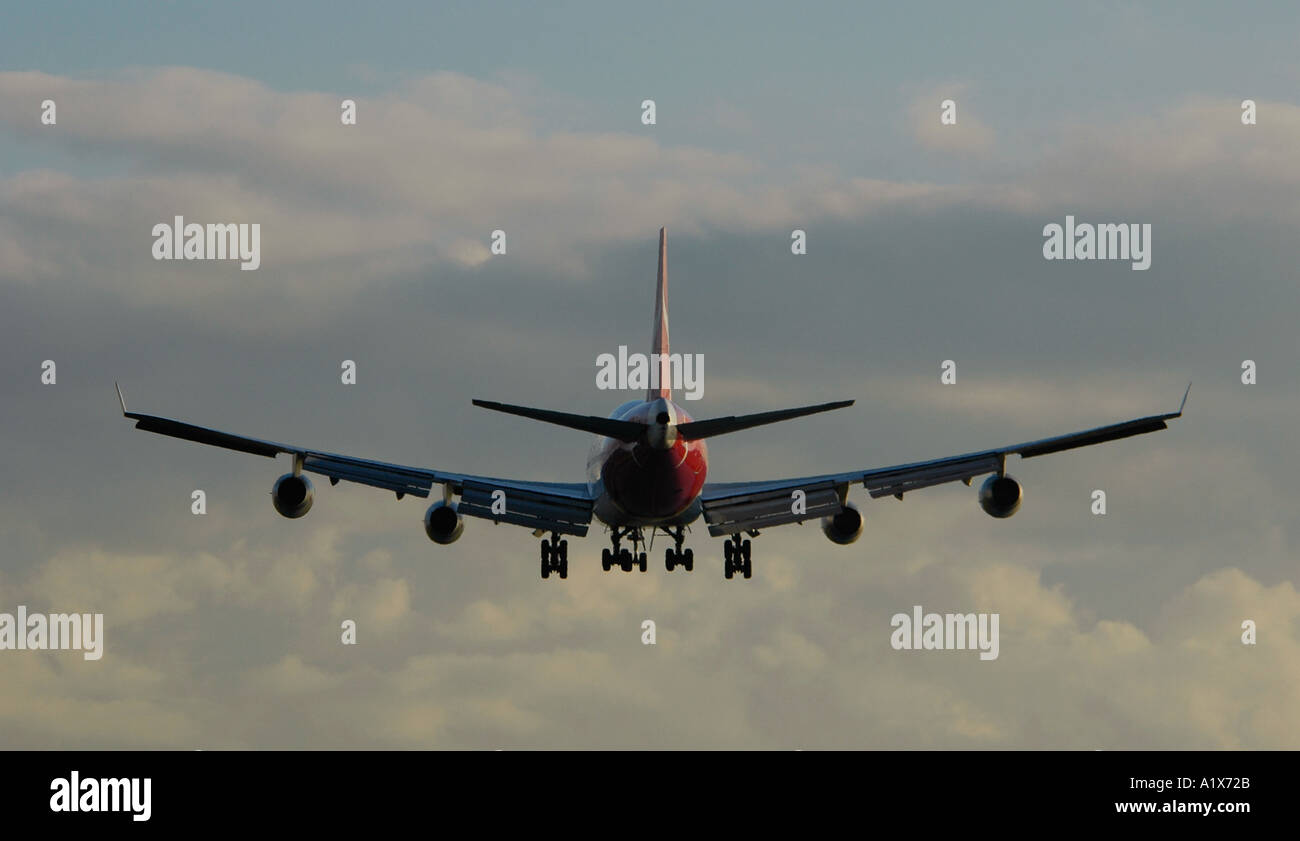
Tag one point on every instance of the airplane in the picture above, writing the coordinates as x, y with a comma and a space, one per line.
648, 472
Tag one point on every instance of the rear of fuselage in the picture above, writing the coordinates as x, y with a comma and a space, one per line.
640, 484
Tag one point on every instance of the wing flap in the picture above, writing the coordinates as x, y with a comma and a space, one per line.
750, 510
526, 508
900, 480
375, 474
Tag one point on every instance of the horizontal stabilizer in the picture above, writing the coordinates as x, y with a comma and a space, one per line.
720, 426
610, 428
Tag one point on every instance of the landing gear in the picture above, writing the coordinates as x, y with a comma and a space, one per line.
624, 558
676, 557
555, 556
736, 557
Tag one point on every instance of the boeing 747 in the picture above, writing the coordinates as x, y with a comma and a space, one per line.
647, 472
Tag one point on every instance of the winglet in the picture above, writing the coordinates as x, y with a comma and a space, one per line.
120, 398
1184, 403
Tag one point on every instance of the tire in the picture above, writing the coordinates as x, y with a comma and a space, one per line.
564, 567
564, 551
625, 560
669, 560
744, 550
749, 568
605, 559
727, 550
641, 562
688, 560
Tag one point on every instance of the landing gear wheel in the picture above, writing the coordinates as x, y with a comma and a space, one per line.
676, 556
605, 560
546, 559
625, 560
641, 562
564, 559
736, 557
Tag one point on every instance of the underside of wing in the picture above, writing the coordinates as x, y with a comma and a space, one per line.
744, 506
733, 507
562, 507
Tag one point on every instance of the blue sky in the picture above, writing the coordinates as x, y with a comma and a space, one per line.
850, 69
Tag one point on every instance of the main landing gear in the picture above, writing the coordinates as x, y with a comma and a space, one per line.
623, 557
555, 556
735, 557
675, 557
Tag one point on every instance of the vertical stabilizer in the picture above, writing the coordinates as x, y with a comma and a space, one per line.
659, 336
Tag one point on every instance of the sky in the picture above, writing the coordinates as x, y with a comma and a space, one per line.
222, 630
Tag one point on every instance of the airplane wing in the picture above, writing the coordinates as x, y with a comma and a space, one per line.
563, 507
733, 507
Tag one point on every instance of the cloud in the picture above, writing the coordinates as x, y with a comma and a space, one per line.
224, 630
1194, 156
967, 136
429, 171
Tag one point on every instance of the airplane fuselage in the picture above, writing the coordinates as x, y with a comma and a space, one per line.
656, 481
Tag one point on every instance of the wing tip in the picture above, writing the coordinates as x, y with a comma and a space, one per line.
120, 398
1184, 403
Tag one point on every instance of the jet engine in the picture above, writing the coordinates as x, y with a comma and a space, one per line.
1000, 496
292, 495
443, 524
845, 527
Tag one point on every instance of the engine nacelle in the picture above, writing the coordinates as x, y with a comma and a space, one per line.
443, 524
292, 495
1000, 496
845, 527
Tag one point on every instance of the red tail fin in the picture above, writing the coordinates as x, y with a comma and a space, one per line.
659, 336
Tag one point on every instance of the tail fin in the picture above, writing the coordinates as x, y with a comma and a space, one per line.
659, 334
